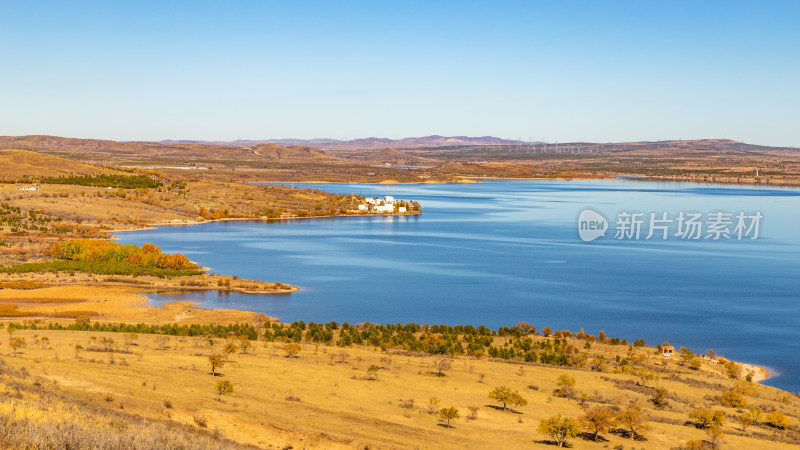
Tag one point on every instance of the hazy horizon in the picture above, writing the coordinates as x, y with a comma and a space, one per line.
556, 72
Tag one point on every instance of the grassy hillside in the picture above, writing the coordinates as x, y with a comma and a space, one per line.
18, 164
94, 149
327, 396
292, 154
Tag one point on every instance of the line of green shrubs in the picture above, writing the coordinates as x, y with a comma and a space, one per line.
114, 181
435, 339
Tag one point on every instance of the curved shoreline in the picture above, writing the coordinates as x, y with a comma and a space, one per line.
759, 373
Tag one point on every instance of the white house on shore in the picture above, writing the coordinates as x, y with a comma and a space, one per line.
385, 205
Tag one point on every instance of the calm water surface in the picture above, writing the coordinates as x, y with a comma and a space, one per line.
500, 252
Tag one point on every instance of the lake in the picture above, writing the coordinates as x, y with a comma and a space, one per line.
499, 252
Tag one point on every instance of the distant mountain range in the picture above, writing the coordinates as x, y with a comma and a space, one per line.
365, 143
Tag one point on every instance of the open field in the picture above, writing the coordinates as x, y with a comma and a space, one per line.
116, 299
324, 397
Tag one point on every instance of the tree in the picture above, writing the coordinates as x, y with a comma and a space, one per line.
161, 341
733, 399
715, 436
129, 340
217, 362
599, 363
78, 348
224, 387
705, 417
659, 397
777, 419
745, 420
756, 414
646, 375
442, 363
448, 414
244, 344
566, 386
695, 364
526, 328
559, 428
291, 349
229, 349
734, 370
372, 372
686, 354
16, 343
506, 396
597, 420
695, 444
634, 419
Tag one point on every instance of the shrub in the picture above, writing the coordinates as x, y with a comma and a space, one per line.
566, 386
733, 399
224, 387
704, 417
777, 419
291, 349
372, 373
200, 420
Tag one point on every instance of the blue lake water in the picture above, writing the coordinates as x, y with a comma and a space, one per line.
500, 252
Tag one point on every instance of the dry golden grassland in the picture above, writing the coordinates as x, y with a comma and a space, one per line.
324, 397
109, 301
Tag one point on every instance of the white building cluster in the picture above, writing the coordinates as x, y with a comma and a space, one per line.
385, 205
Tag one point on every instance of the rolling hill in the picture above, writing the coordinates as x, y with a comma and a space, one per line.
16, 164
100, 150
394, 156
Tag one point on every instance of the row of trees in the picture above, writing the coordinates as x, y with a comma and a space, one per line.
106, 180
109, 258
435, 339
597, 420
148, 255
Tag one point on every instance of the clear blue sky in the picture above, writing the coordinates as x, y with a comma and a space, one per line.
553, 70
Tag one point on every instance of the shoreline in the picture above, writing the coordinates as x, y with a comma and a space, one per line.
760, 373
120, 302
188, 222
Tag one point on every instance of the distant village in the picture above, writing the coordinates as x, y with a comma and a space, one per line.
386, 205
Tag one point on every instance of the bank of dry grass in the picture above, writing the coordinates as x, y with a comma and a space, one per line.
325, 399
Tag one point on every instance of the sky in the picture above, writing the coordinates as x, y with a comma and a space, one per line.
555, 71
